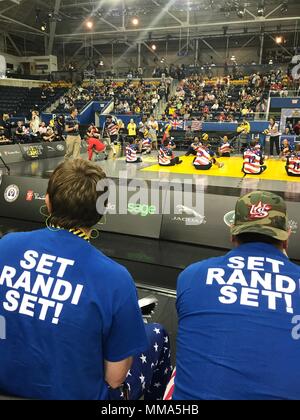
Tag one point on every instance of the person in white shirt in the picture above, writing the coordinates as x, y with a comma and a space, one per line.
215, 106
35, 122
274, 137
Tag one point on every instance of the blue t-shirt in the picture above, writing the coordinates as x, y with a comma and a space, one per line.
71, 123
239, 319
67, 308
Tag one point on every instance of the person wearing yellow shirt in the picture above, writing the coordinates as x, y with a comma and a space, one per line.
172, 110
153, 131
245, 111
132, 129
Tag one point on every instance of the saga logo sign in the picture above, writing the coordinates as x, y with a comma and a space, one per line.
141, 209
11, 194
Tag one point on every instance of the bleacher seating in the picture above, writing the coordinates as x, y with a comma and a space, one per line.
19, 101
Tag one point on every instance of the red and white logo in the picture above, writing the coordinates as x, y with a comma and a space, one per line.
29, 195
260, 211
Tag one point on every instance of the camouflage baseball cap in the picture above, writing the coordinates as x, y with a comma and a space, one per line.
263, 213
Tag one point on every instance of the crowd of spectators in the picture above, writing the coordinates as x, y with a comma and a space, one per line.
293, 127
78, 97
196, 97
33, 131
130, 97
138, 98
223, 100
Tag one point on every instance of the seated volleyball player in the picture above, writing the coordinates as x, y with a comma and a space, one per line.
225, 148
204, 161
293, 163
132, 151
166, 156
146, 144
75, 327
286, 150
171, 143
208, 147
192, 150
254, 161
95, 145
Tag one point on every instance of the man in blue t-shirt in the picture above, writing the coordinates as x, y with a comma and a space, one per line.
73, 139
239, 314
73, 323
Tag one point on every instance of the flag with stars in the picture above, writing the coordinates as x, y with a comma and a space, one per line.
151, 371
170, 388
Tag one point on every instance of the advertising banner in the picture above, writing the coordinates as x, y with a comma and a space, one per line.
11, 154
33, 151
55, 149
23, 198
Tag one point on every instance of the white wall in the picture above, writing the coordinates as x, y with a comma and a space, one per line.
11, 59
48, 61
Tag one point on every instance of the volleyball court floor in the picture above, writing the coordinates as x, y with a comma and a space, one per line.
230, 176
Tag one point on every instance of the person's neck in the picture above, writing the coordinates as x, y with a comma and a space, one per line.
86, 231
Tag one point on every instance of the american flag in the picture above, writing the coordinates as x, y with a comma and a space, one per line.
176, 124
196, 125
151, 371
170, 388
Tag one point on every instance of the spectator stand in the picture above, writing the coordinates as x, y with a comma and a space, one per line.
86, 116
18, 102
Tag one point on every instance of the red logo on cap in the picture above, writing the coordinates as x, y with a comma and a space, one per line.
260, 211
29, 196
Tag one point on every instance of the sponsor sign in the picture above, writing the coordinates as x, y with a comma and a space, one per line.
11, 154
23, 198
55, 149
142, 219
11, 193
205, 228
33, 151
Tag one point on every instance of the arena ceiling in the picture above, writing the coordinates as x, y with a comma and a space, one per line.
65, 21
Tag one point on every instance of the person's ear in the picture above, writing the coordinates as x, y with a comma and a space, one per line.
234, 241
48, 204
286, 243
